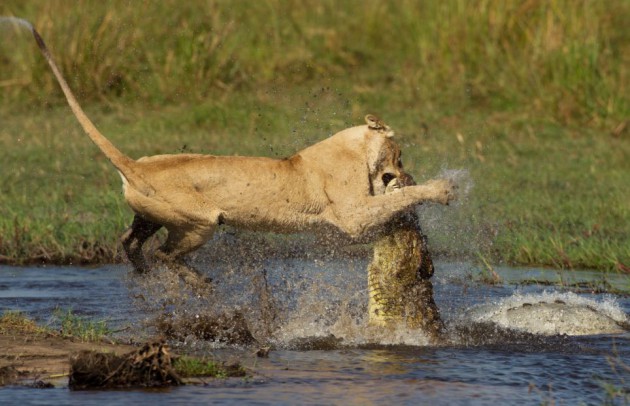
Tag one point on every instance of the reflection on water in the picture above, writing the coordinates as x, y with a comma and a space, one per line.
94, 292
324, 297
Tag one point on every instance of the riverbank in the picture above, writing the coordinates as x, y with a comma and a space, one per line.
28, 358
40, 357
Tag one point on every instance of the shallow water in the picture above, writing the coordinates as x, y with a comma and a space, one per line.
327, 297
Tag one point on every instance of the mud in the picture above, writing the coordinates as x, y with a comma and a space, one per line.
8, 375
27, 358
38, 357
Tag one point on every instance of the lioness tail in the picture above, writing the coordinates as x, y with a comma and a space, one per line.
123, 163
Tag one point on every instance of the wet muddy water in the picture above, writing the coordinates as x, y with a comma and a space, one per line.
491, 366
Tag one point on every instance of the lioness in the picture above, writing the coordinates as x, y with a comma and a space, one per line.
337, 184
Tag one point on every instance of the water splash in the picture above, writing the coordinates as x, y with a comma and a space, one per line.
280, 301
456, 230
551, 313
463, 180
303, 301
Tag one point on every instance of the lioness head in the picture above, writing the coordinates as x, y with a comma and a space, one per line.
384, 156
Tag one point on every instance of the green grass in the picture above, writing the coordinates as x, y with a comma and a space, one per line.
529, 97
542, 194
82, 328
188, 367
70, 325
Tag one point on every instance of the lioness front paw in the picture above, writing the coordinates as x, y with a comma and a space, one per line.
444, 189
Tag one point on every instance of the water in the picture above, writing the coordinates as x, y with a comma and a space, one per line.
487, 366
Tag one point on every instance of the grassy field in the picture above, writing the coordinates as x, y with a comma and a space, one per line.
529, 98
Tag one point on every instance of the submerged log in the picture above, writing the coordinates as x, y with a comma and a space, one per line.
400, 290
150, 366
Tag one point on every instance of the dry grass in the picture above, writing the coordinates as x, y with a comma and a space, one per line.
12, 322
557, 59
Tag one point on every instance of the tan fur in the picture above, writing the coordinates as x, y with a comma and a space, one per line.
335, 185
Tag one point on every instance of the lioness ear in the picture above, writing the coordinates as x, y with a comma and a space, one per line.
375, 123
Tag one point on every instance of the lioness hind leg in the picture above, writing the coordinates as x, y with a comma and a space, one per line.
181, 242
133, 240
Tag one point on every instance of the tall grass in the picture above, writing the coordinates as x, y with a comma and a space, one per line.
558, 59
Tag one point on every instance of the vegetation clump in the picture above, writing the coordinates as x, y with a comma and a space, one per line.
14, 322
152, 365
73, 325
188, 367
148, 366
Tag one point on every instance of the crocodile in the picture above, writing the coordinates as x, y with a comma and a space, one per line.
399, 286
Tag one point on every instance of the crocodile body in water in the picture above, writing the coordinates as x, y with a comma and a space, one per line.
401, 293
400, 290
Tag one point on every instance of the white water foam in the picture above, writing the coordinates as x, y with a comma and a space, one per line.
351, 332
553, 312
